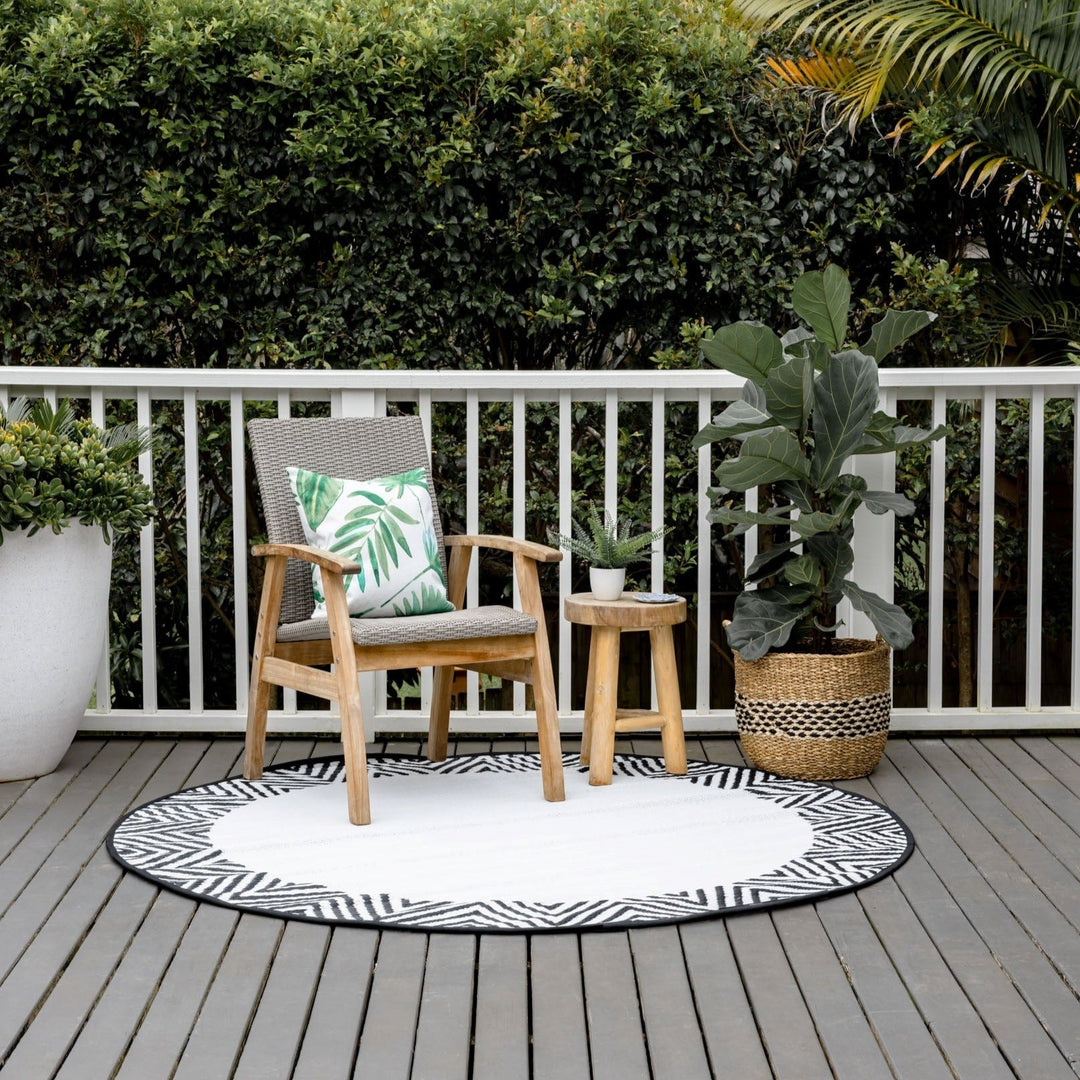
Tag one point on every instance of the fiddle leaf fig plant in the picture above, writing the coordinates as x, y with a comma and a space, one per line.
809, 405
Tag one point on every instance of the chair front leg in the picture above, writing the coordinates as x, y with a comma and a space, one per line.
439, 723
543, 682
348, 699
259, 689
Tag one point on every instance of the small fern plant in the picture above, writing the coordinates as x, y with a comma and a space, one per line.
605, 542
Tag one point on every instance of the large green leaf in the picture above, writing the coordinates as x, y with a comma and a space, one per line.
764, 457
845, 398
888, 619
375, 528
805, 570
885, 502
747, 349
789, 393
729, 515
896, 438
771, 560
317, 494
763, 619
739, 418
894, 328
821, 299
837, 558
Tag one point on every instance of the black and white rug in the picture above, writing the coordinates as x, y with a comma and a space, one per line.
469, 844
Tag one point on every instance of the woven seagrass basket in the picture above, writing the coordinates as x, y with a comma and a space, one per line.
816, 716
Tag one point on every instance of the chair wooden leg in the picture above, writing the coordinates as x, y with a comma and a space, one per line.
543, 683
605, 677
439, 724
590, 699
348, 699
353, 743
667, 699
258, 690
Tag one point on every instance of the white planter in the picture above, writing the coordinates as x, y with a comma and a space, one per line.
606, 584
54, 610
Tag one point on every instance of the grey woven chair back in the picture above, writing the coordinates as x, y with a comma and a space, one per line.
353, 448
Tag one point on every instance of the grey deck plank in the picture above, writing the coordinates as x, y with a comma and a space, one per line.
277, 1028
957, 966
996, 1020
328, 1051
893, 1015
40, 843
786, 1027
386, 1042
64, 895
560, 1040
501, 1033
727, 1021
616, 1039
1052, 776
1032, 817
25, 801
103, 1040
218, 1034
43, 1048
672, 1031
1019, 898
444, 1027
843, 1028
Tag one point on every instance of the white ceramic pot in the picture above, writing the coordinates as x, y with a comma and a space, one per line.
606, 584
54, 611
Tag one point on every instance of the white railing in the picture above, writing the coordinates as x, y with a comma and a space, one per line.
371, 392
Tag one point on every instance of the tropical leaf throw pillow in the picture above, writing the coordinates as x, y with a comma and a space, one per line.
386, 525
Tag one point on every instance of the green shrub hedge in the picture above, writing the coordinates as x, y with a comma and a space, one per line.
503, 183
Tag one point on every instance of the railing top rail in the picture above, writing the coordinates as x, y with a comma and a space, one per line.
629, 383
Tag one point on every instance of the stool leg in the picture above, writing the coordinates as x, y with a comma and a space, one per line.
590, 703
605, 691
667, 699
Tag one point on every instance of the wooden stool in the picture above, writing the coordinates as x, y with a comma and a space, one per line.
609, 619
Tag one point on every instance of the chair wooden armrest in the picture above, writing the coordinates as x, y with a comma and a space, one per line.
325, 560
538, 552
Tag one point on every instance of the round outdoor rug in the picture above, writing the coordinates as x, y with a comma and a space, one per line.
470, 844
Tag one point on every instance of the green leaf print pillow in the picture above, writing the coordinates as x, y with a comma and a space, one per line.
386, 525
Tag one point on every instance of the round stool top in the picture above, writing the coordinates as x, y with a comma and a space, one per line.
625, 613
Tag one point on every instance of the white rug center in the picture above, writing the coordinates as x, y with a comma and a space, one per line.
474, 837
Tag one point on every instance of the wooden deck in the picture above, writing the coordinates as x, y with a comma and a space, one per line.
965, 963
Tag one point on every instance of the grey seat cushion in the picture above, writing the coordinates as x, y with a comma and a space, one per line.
477, 622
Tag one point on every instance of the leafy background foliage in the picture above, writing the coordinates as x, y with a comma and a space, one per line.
501, 183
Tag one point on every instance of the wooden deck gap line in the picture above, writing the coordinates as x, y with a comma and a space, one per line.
714, 1069
150, 998
367, 1001
640, 1005
584, 1010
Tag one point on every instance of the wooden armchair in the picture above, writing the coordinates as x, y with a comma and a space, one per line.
292, 649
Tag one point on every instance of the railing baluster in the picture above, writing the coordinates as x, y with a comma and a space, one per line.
147, 592
936, 560
703, 688
518, 501
239, 540
1036, 477
472, 523
611, 451
987, 493
566, 567
193, 542
656, 515
103, 683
